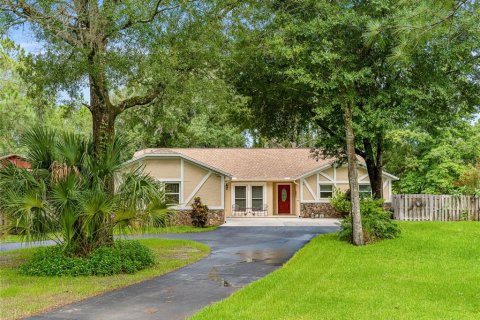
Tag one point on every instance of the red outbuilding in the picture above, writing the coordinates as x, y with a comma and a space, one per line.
16, 159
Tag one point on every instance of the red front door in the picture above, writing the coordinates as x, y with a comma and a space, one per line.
283, 199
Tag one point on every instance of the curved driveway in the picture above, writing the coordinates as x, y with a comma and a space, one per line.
239, 256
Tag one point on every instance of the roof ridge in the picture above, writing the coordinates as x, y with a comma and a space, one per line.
216, 148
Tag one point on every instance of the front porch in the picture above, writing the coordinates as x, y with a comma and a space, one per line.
262, 199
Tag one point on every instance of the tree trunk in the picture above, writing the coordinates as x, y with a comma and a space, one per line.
103, 123
103, 113
103, 129
357, 230
374, 167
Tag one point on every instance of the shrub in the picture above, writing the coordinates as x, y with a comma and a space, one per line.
376, 221
67, 183
340, 202
199, 213
123, 257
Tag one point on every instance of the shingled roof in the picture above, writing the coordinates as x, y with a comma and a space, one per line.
248, 164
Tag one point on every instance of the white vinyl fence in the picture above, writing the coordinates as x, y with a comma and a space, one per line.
420, 207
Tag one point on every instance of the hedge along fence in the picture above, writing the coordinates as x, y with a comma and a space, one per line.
421, 207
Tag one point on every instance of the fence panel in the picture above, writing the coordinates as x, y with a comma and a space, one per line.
429, 207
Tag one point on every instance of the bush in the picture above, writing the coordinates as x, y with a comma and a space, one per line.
199, 213
123, 257
340, 202
376, 221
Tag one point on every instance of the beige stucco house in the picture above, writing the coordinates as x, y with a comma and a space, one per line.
236, 182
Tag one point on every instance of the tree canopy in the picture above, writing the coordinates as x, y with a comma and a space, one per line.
434, 162
270, 73
20, 109
300, 61
126, 54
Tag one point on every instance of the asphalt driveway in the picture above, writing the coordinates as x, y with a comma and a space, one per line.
240, 255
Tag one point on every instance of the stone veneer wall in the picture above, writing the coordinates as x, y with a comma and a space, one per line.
182, 218
325, 210
318, 210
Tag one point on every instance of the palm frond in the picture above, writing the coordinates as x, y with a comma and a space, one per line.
40, 143
70, 192
27, 215
139, 192
71, 149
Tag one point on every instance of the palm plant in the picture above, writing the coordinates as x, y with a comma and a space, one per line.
75, 198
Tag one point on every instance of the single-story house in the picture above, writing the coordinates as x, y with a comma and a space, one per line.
241, 182
15, 159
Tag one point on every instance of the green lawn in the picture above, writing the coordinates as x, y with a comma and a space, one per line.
24, 295
431, 272
173, 229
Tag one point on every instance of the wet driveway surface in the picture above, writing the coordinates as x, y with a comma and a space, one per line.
240, 255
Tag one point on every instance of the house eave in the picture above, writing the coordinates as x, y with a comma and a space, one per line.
321, 168
174, 155
235, 179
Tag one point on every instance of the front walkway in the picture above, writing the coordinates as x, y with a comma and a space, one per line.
239, 256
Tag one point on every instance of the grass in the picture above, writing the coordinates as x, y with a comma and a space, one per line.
431, 272
173, 229
21, 295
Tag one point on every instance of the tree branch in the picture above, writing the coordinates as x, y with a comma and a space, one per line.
62, 29
338, 136
130, 22
139, 100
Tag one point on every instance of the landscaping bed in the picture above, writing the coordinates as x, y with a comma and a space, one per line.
432, 271
22, 295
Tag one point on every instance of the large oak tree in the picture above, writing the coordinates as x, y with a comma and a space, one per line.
124, 52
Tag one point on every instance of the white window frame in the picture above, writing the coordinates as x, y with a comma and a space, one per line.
249, 193
319, 196
180, 196
234, 198
364, 184
251, 197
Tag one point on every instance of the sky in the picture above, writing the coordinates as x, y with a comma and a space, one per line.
24, 37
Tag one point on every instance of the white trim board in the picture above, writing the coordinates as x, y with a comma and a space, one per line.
310, 190
222, 192
331, 179
198, 187
182, 178
332, 164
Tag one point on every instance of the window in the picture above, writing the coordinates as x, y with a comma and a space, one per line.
257, 198
326, 191
249, 198
241, 198
172, 192
365, 190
